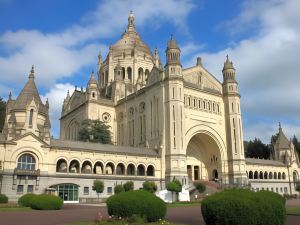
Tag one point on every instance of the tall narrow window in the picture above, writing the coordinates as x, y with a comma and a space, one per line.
30, 117
181, 124
242, 151
151, 119
232, 107
234, 135
141, 127
157, 116
174, 127
173, 93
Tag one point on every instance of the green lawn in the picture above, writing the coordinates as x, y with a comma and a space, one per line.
294, 211
178, 204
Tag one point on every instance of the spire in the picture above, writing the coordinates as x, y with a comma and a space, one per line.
228, 64
10, 96
280, 129
92, 79
130, 21
172, 43
99, 59
31, 75
47, 104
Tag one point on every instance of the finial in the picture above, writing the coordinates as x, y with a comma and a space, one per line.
171, 36
227, 57
130, 21
93, 71
31, 75
279, 126
10, 96
47, 103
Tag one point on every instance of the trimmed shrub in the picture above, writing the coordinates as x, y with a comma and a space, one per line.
119, 188
150, 186
140, 203
244, 207
46, 202
26, 200
41, 202
128, 186
3, 198
200, 187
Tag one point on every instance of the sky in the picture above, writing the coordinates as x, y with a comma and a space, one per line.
62, 39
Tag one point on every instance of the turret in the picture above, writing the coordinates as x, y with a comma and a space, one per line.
173, 66
130, 26
92, 88
118, 72
233, 120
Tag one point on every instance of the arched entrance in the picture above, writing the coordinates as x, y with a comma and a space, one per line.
203, 158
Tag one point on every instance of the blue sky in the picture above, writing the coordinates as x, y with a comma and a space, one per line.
62, 38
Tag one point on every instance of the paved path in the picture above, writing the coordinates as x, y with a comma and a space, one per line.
190, 215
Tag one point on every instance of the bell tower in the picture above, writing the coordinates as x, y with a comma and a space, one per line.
233, 120
175, 155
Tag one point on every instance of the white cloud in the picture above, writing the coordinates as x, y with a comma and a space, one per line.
56, 96
267, 64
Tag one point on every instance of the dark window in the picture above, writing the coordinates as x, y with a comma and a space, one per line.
30, 189
109, 190
86, 190
20, 189
30, 117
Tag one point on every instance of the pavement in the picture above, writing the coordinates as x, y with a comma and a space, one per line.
190, 215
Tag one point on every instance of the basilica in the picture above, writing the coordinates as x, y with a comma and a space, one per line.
167, 122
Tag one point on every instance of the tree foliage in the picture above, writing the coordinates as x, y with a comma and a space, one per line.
119, 188
200, 187
150, 186
128, 186
95, 131
296, 144
257, 149
175, 187
2, 113
98, 186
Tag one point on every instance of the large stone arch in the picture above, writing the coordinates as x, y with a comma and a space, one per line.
206, 154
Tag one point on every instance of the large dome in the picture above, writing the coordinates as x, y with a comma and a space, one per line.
130, 41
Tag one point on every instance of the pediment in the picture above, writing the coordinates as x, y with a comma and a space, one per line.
30, 137
199, 76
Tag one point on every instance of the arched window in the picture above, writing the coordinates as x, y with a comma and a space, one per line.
266, 175
279, 176
61, 166
131, 170
261, 176
120, 169
283, 176
150, 170
275, 175
129, 73
255, 175
86, 167
109, 168
250, 175
74, 167
26, 162
98, 168
270, 175
141, 170
30, 117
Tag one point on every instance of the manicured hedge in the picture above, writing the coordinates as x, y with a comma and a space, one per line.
3, 198
128, 186
41, 202
150, 186
26, 200
142, 203
119, 188
244, 207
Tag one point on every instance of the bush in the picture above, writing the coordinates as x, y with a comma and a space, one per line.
3, 198
26, 200
128, 186
244, 207
150, 186
119, 188
140, 203
200, 187
41, 202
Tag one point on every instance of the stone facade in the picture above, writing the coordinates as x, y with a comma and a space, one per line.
166, 122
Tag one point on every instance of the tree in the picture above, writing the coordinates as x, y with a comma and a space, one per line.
98, 186
175, 187
296, 144
257, 149
150, 186
200, 187
2, 113
128, 186
95, 131
119, 188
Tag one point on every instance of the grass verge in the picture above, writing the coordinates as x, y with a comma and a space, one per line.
122, 222
293, 211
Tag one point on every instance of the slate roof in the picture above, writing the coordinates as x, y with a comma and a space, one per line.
104, 148
282, 142
264, 162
